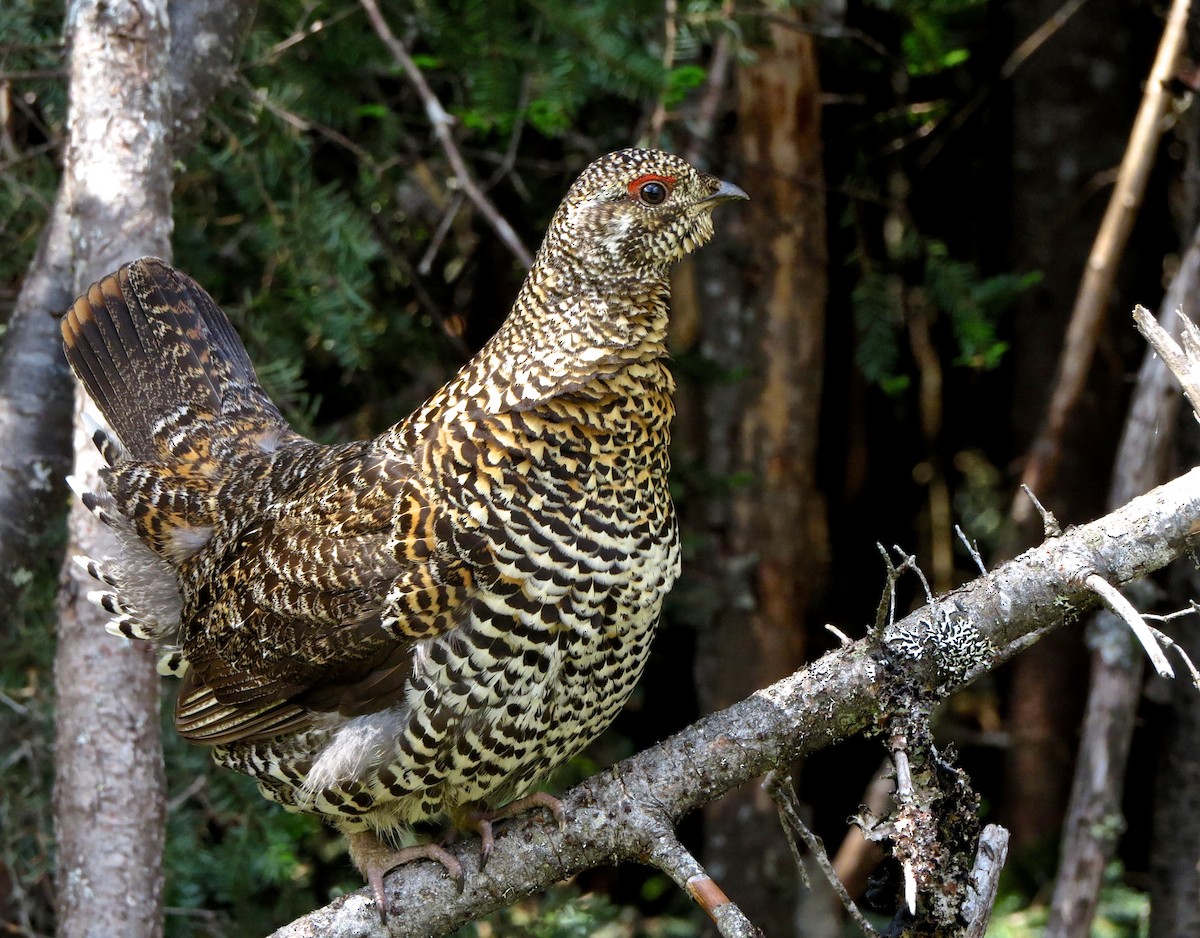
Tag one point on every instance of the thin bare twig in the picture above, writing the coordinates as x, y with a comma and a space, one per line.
1050, 525
439, 234
1087, 315
909, 562
307, 124
1170, 643
441, 122
1122, 607
972, 549
783, 794
839, 634
301, 33
885, 613
658, 120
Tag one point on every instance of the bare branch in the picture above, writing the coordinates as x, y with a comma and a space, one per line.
441, 122
1184, 362
674, 859
783, 794
617, 815
1088, 313
1124, 609
985, 880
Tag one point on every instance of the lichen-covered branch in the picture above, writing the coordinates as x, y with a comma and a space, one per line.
616, 815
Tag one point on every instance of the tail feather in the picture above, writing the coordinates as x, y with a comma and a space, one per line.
161, 360
173, 381
110, 448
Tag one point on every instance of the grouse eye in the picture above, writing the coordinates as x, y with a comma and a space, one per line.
651, 189
653, 193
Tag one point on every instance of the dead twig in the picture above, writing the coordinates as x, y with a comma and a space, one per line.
1124, 609
1050, 525
972, 549
441, 121
783, 794
1182, 357
1169, 643
985, 880
674, 859
1088, 314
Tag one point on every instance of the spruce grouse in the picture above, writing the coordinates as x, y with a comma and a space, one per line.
422, 625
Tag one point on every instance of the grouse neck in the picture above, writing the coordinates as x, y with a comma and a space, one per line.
610, 315
561, 337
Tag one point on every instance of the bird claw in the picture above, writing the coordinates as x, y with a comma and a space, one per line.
375, 860
482, 821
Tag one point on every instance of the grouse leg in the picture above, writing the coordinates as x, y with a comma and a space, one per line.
375, 859
481, 821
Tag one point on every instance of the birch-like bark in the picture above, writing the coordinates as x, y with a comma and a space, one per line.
138, 93
35, 408
109, 786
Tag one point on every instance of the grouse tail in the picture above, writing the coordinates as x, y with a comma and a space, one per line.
162, 362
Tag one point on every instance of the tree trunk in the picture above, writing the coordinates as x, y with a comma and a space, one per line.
35, 386
1070, 124
1094, 819
1175, 872
773, 538
35, 410
109, 785
137, 96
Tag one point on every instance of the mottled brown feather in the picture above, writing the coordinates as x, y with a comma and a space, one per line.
408, 627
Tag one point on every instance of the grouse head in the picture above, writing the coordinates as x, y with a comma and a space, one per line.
635, 212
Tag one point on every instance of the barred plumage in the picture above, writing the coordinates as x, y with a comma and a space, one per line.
424, 624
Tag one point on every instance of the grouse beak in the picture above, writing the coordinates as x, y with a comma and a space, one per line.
726, 192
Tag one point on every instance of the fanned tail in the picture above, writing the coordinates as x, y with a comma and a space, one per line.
163, 363
173, 381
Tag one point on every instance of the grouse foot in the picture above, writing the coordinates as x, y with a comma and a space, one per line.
375, 859
481, 821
